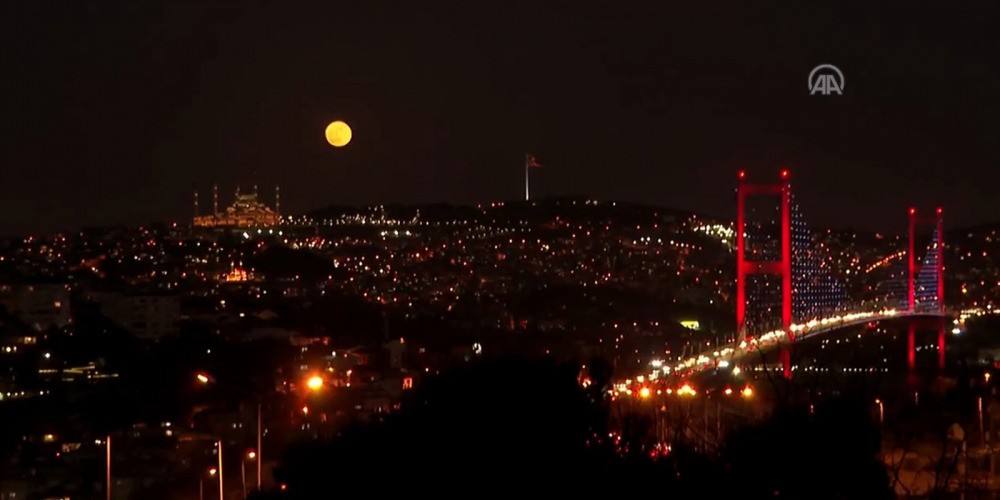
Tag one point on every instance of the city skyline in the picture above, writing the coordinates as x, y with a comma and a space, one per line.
257, 250
658, 105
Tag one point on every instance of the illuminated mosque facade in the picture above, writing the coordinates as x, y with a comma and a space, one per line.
246, 211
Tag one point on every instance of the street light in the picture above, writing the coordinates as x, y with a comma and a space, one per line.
243, 470
205, 379
881, 414
315, 383
221, 491
107, 450
201, 483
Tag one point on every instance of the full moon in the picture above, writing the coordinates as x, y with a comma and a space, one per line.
338, 134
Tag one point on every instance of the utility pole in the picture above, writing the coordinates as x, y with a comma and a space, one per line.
221, 494
108, 466
260, 432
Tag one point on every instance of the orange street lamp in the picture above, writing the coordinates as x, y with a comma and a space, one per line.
205, 379
747, 392
243, 470
315, 383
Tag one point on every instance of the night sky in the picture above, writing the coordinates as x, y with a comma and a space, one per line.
116, 111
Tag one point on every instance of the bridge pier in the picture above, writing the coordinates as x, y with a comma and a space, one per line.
786, 362
911, 351
941, 327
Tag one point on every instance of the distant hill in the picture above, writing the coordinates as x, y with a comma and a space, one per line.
544, 209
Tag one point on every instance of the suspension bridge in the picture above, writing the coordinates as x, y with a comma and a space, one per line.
786, 291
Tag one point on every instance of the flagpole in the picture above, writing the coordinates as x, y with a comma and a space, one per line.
527, 192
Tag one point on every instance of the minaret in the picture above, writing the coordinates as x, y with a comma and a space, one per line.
215, 199
196, 204
277, 200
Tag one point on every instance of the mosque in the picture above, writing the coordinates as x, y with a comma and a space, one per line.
246, 211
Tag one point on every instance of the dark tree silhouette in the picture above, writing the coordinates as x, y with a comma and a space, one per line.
522, 427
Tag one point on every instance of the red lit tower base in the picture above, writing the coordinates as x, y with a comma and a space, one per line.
914, 271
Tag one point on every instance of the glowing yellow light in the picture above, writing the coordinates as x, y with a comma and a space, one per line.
305, 410
747, 392
252, 455
212, 471
686, 390
315, 382
728, 391
338, 134
644, 392
203, 378
986, 376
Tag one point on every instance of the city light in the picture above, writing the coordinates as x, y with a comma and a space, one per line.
252, 454
728, 391
747, 392
315, 383
686, 390
212, 471
305, 410
644, 392
203, 378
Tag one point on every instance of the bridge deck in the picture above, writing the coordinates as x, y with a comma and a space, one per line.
728, 354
